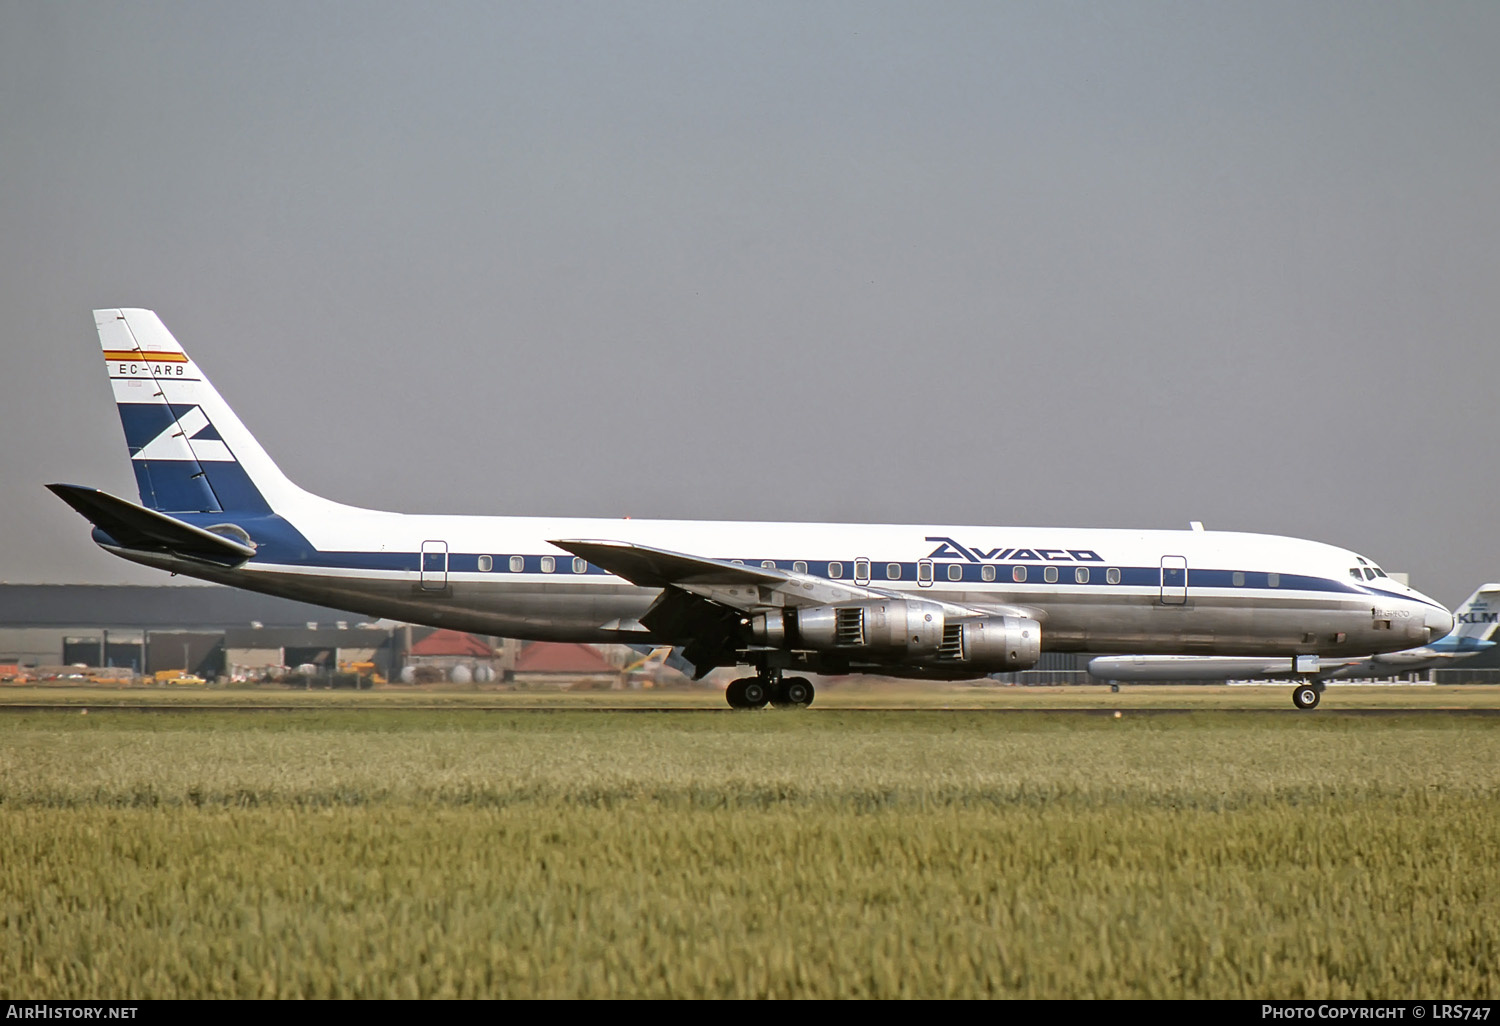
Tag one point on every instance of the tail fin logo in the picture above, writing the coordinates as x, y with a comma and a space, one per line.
190, 437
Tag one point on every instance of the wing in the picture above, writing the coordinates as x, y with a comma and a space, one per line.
705, 604
745, 588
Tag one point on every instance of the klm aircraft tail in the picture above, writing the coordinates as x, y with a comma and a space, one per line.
189, 450
1477, 618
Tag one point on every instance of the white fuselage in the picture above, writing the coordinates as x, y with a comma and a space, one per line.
1092, 590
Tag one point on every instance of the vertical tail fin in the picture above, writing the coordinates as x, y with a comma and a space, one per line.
189, 450
1477, 618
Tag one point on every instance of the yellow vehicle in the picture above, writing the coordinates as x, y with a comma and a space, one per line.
178, 677
365, 670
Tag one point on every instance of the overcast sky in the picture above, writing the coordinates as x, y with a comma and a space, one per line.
1092, 264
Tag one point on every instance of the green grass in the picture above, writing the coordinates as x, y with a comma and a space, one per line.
411, 853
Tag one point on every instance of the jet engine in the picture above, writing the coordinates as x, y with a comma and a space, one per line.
992, 644
911, 632
911, 627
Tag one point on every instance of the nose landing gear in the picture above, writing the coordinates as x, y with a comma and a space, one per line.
1305, 696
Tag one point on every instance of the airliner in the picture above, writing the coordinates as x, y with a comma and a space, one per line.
1477, 620
783, 599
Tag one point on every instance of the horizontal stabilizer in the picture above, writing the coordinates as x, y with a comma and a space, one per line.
136, 527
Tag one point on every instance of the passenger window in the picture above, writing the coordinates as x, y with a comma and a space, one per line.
1018, 574
486, 564
1273, 580
955, 571
893, 571
861, 570
580, 564
835, 570
799, 567
1081, 574
738, 562
924, 572
1112, 575
548, 564
1049, 574
987, 573
768, 564
1239, 578
517, 564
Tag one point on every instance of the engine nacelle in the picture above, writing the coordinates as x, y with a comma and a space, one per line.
911, 627
992, 644
910, 632
769, 628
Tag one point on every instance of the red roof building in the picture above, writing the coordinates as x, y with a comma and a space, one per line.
452, 643
559, 657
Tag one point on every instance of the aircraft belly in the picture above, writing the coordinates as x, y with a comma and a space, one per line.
1208, 626
543, 612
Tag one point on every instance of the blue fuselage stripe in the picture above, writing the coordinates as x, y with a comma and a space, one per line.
280, 544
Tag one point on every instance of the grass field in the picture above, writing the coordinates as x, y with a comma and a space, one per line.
824, 853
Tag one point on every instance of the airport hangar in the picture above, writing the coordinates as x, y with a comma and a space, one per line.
199, 629
210, 629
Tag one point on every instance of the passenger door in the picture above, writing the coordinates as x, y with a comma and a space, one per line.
1174, 580
434, 565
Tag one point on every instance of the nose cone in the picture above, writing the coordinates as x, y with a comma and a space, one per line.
1439, 622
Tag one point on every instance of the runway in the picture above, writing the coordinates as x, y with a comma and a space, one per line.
186, 708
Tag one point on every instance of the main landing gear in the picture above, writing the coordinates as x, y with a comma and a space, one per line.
769, 687
1305, 696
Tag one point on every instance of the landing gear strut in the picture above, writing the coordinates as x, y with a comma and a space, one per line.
769, 686
1305, 696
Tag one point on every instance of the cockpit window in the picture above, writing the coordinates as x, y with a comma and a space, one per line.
1369, 574
1380, 573
1354, 573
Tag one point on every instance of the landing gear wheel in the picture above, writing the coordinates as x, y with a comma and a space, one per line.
1305, 696
754, 692
734, 694
794, 691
